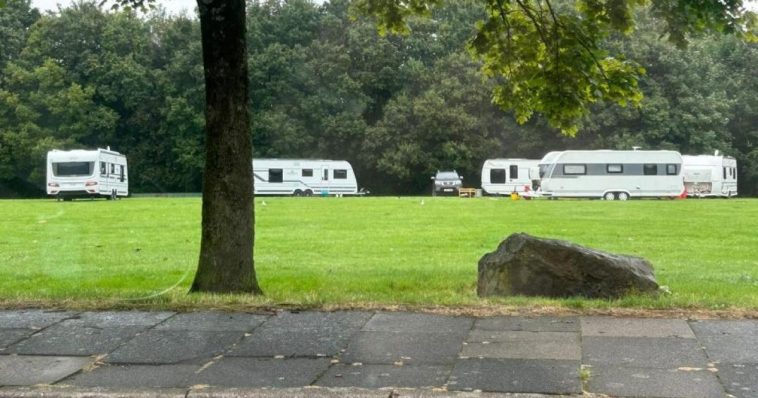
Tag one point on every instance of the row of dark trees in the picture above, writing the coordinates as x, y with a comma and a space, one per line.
324, 84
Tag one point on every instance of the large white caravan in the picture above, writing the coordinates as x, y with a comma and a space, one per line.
611, 175
710, 175
303, 177
83, 173
505, 176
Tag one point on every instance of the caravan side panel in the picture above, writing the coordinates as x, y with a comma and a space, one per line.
505, 176
303, 177
613, 174
710, 175
83, 173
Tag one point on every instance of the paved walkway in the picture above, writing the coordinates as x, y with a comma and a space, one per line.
372, 354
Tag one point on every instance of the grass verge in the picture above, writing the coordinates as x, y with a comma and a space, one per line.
370, 252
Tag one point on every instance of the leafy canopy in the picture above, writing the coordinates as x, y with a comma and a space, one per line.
547, 57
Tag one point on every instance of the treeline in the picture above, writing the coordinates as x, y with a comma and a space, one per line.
324, 84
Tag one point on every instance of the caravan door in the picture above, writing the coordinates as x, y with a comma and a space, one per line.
325, 181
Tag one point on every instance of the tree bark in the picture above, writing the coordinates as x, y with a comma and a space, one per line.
226, 246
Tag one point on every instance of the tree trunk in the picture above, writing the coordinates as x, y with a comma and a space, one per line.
226, 246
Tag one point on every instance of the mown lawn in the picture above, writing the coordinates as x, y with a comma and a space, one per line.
348, 252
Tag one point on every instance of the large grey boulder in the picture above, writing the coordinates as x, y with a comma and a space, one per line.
530, 266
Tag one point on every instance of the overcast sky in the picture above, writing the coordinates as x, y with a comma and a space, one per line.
177, 6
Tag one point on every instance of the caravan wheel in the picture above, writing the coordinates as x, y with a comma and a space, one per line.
623, 196
308, 192
609, 196
298, 192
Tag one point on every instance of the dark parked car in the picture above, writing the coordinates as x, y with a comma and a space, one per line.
447, 182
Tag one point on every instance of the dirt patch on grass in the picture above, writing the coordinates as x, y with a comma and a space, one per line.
263, 306
486, 311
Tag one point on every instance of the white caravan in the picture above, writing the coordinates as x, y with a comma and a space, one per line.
83, 173
610, 175
303, 177
710, 175
505, 176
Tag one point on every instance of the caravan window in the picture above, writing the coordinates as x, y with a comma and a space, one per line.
614, 168
725, 173
275, 175
497, 176
71, 169
326, 175
340, 174
113, 168
672, 169
574, 169
103, 168
307, 173
513, 169
650, 169
122, 172
543, 170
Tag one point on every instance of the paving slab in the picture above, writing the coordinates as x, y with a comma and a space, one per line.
312, 320
529, 324
745, 327
18, 370
731, 348
408, 348
172, 346
11, 336
215, 392
290, 343
740, 380
56, 391
135, 376
517, 376
333, 392
258, 372
635, 327
31, 319
76, 340
117, 319
304, 334
418, 323
513, 336
659, 383
381, 376
520, 344
307, 392
213, 322
662, 353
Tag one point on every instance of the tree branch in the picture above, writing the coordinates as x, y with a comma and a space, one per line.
556, 25
507, 25
536, 24
581, 40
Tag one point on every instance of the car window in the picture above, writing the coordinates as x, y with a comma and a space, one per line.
447, 175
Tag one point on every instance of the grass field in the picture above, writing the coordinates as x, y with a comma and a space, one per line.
349, 252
